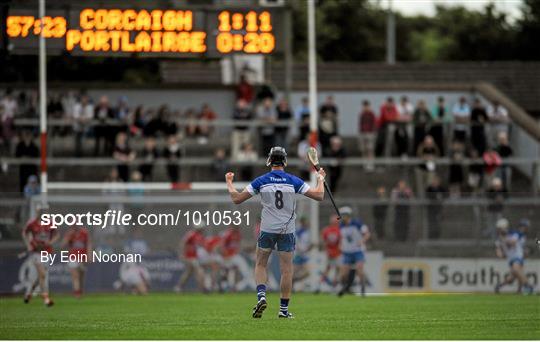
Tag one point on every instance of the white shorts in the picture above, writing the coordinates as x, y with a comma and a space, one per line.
133, 274
35, 257
75, 264
234, 261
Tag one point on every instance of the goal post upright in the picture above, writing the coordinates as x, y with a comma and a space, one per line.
43, 100
313, 124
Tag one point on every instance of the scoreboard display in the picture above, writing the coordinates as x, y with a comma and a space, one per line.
146, 32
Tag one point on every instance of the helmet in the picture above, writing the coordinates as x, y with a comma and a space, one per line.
502, 224
345, 211
277, 157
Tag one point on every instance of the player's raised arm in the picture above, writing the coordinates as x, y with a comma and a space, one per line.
317, 193
237, 197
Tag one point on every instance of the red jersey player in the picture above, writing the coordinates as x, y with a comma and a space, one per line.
37, 238
212, 259
77, 240
230, 250
331, 239
190, 246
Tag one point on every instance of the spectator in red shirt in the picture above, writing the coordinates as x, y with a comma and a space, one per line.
367, 128
244, 90
389, 114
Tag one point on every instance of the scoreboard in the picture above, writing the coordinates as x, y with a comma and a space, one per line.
146, 32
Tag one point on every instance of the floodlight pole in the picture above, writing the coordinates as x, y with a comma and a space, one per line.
43, 98
312, 61
390, 35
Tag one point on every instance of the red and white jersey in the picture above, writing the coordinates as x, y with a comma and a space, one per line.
331, 237
77, 239
192, 240
231, 242
40, 235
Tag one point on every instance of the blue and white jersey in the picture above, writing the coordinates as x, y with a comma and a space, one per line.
512, 245
278, 191
352, 235
302, 241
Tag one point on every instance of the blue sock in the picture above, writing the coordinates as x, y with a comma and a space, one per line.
284, 306
261, 291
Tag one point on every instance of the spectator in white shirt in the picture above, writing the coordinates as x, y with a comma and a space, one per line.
401, 135
82, 114
462, 115
499, 119
8, 107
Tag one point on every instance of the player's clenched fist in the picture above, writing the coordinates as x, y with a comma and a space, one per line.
322, 174
229, 176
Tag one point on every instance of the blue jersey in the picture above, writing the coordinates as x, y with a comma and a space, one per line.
278, 191
352, 235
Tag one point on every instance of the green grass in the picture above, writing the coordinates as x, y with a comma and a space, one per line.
197, 316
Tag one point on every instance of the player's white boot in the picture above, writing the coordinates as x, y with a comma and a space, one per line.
287, 315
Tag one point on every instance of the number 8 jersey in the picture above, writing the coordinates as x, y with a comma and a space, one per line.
278, 191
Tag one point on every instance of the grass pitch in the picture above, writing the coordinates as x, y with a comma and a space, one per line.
228, 316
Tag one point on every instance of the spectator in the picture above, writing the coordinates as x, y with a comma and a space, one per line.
124, 155
82, 115
244, 90
173, 154
138, 122
440, 116
168, 120
421, 120
26, 148
455, 171
327, 129
435, 193
428, 152
329, 105
8, 108
240, 134
284, 115
190, 119
401, 136
149, 156
220, 165
122, 113
367, 129
492, 162
402, 211
380, 210
301, 115
499, 119
156, 123
265, 91
207, 115
505, 151
303, 146
267, 113
32, 187
247, 154
462, 115
475, 178
389, 115
496, 195
103, 130
336, 151
478, 121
